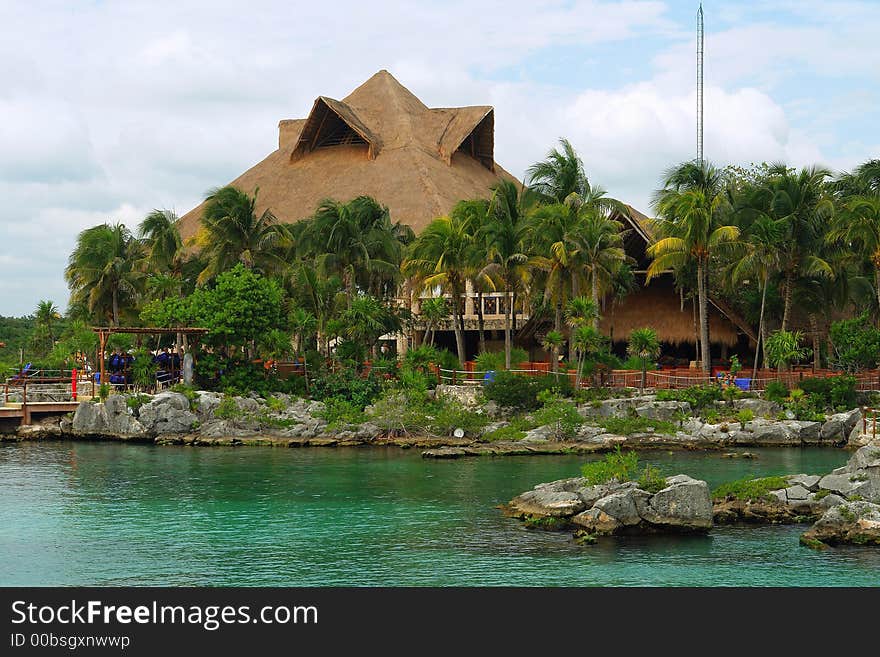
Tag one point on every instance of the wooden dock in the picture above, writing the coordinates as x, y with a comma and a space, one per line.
26, 412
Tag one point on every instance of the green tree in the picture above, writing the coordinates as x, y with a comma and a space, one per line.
552, 342
644, 345
581, 313
102, 272
233, 233
858, 226
46, 316
784, 347
367, 319
441, 256
505, 232
690, 230
434, 310
559, 175
303, 325
240, 308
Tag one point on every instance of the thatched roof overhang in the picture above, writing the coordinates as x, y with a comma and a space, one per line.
472, 130
332, 123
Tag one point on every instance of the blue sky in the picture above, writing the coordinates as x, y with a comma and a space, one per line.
112, 109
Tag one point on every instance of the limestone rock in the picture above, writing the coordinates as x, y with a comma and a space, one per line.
596, 522
810, 482
760, 407
90, 419
663, 410
854, 523
839, 426
684, 504
620, 506
547, 503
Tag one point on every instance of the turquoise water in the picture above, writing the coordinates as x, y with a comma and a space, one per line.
112, 514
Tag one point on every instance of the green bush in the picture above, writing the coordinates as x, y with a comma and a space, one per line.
652, 480
843, 392
745, 415
134, 402
635, 363
339, 412
561, 415
489, 361
508, 433
698, 397
856, 343
396, 413
227, 409
616, 465
625, 426
521, 392
349, 385
776, 391
818, 388
749, 489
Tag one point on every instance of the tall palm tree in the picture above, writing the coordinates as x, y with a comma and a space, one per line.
441, 256
801, 199
504, 233
233, 232
644, 345
433, 310
357, 241
690, 230
102, 271
858, 225
602, 252
45, 317
164, 254
560, 174
580, 313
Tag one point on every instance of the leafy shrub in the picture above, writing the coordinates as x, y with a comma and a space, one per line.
817, 387
349, 385
227, 409
134, 402
749, 489
509, 433
489, 361
275, 404
421, 358
143, 370
588, 395
856, 343
745, 415
559, 414
625, 426
616, 465
187, 391
635, 363
843, 392
397, 413
521, 392
652, 480
776, 391
698, 397
103, 391
448, 360
339, 412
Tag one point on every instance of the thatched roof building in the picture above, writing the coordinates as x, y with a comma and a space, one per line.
379, 141
659, 305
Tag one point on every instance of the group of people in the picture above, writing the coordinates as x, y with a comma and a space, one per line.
118, 370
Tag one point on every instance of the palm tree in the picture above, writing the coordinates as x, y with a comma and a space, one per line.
367, 319
302, 324
45, 316
434, 310
581, 313
644, 345
552, 342
233, 232
690, 230
504, 233
560, 174
762, 244
441, 256
102, 272
319, 296
801, 200
858, 225
602, 253
357, 241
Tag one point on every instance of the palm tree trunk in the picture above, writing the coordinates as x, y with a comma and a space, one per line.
481, 323
115, 308
458, 327
704, 318
575, 285
595, 286
644, 380
814, 328
787, 302
877, 283
760, 332
508, 318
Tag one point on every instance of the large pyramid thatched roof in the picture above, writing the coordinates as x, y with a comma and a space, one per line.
379, 141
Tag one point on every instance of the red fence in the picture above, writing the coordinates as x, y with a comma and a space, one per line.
663, 379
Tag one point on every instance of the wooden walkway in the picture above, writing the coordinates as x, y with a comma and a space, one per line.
27, 411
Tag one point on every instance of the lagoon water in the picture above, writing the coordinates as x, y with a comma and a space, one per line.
108, 514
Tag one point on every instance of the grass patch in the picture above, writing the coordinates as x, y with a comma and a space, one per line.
749, 489
507, 433
227, 409
547, 523
187, 391
824, 492
339, 412
274, 404
625, 426
652, 480
622, 466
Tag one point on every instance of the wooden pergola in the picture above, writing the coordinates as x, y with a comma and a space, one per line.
105, 332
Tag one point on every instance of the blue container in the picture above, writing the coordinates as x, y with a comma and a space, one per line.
489, 377
743, 384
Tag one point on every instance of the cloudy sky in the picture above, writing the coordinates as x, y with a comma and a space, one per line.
109, 109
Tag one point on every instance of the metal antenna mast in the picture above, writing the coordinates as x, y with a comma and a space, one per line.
700, 84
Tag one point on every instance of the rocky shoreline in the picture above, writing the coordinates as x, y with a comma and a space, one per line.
843, 505
211, 419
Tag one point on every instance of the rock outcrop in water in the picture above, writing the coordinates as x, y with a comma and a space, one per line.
683, 505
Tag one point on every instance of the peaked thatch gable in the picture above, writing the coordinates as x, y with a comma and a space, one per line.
380, 141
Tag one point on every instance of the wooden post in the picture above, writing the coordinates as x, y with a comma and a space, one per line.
103, 341
25, 414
